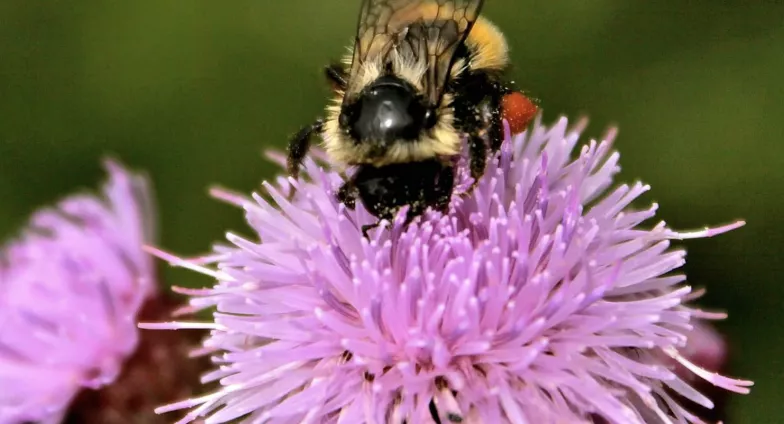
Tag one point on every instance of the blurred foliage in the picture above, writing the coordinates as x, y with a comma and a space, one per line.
194, 91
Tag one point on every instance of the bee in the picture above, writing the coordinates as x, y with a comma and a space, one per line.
422, 78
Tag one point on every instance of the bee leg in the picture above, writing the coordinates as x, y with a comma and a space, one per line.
444, 190
299, 145
366, 228
337, 76
477, 154
347, 194
496, 127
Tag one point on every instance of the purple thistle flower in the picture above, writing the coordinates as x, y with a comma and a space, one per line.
70, 289
539, 298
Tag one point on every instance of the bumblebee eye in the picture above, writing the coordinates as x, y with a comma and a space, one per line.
431, 118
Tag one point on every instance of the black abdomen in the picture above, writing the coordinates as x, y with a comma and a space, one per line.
384, 190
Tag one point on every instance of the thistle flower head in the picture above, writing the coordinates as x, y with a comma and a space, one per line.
70, 288
539, 298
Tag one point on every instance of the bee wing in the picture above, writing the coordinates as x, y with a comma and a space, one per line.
427, 28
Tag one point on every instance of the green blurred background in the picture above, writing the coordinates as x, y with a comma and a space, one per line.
193, 91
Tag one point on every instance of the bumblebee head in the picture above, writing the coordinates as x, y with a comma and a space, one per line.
386, 111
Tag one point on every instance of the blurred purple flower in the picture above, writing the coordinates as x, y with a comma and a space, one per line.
70, 288
539, 298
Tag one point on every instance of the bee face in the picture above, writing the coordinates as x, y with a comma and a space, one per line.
387, 111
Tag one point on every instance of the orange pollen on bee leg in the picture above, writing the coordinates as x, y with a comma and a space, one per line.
518, 110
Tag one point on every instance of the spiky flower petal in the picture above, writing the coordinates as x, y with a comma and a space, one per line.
539, 298
70, 288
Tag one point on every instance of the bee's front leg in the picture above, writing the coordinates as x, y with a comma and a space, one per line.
347, 194
366, 228
337, 76
299, 144
477, 156
444, 190
495, 130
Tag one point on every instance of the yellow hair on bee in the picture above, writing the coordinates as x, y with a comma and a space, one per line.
487, 45
367, 73
403, 65
408, 68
